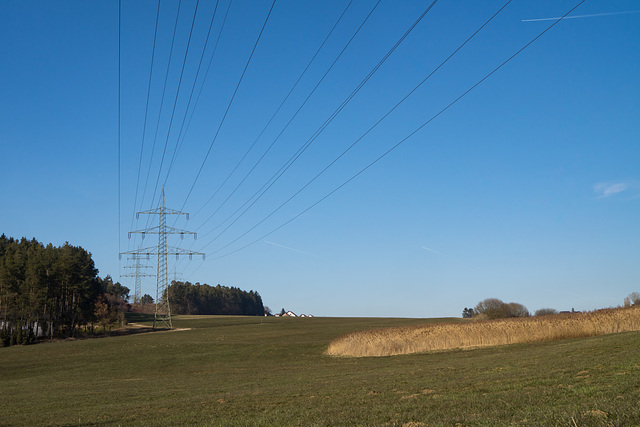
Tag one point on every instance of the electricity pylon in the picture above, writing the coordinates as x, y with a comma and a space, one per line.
138, 274
163, 309
175, 275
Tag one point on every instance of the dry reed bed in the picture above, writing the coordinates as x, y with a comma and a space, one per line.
482, 333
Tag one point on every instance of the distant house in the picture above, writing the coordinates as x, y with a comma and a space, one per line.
291, 314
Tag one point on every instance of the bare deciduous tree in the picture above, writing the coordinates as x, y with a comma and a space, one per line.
632, 299
493, 308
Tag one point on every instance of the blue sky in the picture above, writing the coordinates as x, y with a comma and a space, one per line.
527, 189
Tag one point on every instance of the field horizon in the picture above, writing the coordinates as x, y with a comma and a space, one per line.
233, 370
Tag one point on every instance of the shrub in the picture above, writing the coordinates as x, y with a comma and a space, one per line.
493, 308
513, 309
546, 312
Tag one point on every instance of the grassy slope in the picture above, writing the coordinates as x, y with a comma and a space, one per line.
238, 371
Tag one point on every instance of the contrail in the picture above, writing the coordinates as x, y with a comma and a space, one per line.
431, 250
286, 247
583, 16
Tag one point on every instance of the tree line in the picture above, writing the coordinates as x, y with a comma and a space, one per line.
493, 308
188, 298
49, 291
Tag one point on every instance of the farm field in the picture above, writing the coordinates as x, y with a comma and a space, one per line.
274, 371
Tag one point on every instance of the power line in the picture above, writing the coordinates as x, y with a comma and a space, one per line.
193, 87
405, 138
206, 74
370, 128
336, 112
282, 131
274, 115
374, 125
146, 112
229, 105
175, 102
278, 109
155, 138
119, 128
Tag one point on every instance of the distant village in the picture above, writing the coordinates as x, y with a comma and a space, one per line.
291, 314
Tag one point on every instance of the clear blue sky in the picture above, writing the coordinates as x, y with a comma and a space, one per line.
527, 189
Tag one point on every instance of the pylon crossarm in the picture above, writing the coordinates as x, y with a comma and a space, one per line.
157, 230
161, 211
142, 252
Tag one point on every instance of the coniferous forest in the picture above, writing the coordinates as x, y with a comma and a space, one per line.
188, 298
49, 291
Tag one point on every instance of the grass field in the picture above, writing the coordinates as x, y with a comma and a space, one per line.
274, 371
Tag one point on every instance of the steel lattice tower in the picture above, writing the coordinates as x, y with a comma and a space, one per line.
138, 274
163, 308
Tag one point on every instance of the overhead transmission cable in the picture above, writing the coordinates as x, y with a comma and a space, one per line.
282, 104
283, 129
317, 133
164, 89
119, 120
146, 113
411, 92
407, 137
204, 79
298, 110
175, 101
276, 112
229, 105
193, 87
195, 80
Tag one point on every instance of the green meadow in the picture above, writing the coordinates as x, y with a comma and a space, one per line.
228, 370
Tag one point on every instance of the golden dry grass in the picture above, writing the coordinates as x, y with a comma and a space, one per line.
406, 340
